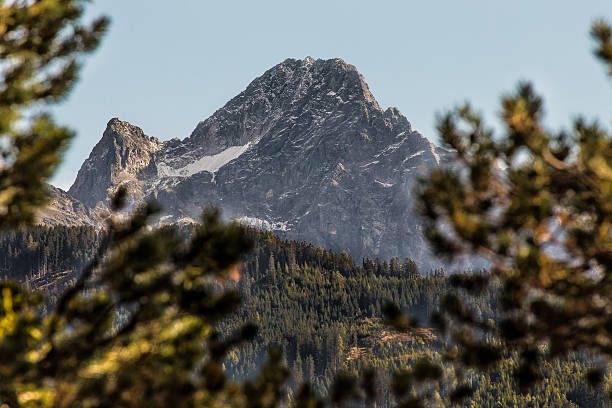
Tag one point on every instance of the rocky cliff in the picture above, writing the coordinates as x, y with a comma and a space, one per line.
305, 150
118, 158
64, 209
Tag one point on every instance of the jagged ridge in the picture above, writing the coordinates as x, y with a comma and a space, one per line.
305, 149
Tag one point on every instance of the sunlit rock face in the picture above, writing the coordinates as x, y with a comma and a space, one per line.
64, 209
305, 150
118, 158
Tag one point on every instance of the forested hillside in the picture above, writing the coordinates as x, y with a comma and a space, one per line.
321, 308
46, 258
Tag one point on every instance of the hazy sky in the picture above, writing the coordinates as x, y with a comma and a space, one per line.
166, 65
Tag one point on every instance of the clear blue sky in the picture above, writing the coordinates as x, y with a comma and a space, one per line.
166, 65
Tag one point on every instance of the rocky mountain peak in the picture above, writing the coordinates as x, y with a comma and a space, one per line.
126, 133
305, 150
293, 88
310, 75
293, 80
123, 151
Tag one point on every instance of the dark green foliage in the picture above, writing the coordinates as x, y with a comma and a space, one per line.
324, 328
425, 370
536, 203
460, 393
152, 319
306, 397
148, 306
42, 256
267, 390
41, 44
395, 318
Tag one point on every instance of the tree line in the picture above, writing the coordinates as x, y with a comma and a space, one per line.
325, 312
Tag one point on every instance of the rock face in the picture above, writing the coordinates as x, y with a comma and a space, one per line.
66, 210
118, 158
305, 151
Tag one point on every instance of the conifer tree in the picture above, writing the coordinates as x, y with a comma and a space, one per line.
138, 326
537, 204
41, 46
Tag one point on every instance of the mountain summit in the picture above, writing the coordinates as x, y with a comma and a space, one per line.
118, 158
304, 150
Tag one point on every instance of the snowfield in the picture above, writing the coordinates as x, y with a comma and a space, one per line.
210, 164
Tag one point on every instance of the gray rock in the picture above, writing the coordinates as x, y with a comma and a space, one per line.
305, 151
118, 158
64, 209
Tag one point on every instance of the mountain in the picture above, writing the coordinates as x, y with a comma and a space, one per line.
64, 209
118, 158
305, 150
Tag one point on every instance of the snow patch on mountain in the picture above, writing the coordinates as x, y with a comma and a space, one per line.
210, 164
263, 224
420, 152
305, 142
385, 185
